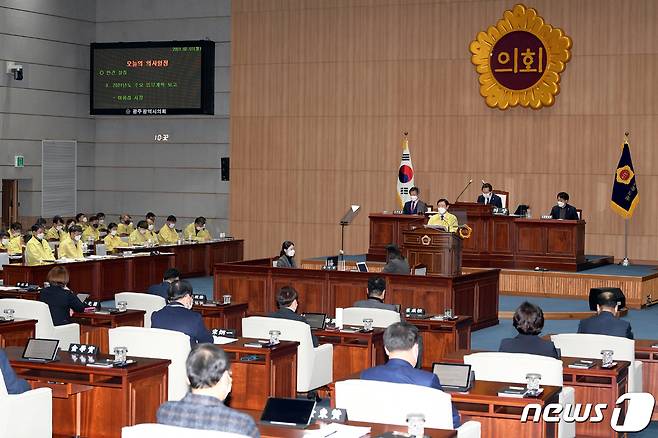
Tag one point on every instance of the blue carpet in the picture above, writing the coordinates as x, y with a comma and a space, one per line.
631, 271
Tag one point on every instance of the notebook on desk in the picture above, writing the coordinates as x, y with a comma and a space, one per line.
41, 350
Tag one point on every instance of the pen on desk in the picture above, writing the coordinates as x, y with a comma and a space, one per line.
331, 433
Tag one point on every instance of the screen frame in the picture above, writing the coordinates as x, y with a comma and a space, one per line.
54, 354
267, 415
207, 105
469, 376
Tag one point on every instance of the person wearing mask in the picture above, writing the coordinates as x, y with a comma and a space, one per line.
287, 301
112, 240
563, 210
92, 233
150, 217
125, 226
208, 370
287, 256
59, 298
101, 221
171, 275
13, 383
69, 224
443, 218
168, 233
179, 316
16, 239
37, 250
138, 237
489, 197
71, 248
4, 241
415, 205
56, 232
606, 321
401, 346
81, 219
395, 261
197, 230
151, 233
528, 320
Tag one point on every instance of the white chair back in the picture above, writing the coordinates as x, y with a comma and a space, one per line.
373, 401
31, 309
380, 317
513, 367
141, 301
26, 415
4, 259
503, 199
152, 430
590, 346
158, 344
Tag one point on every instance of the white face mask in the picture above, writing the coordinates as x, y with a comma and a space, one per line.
172, 226
77, 238
199, 228
84, 220
142, 230
101, 221
290, 252
59, 227
40, 236
150, 227
113, 232
5, 242
442, 210
560, 204
414, 198
486, 195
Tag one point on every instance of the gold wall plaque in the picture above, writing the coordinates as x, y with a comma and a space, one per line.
520, 60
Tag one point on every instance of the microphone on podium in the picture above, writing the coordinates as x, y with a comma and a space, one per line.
462, 192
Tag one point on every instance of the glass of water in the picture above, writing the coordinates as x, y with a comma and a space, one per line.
226, 299
416, 425
274, 336
122, 306
9, 314
606, 357
367, 324
532, 383
120, 354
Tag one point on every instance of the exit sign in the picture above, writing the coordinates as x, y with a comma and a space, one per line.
19, 161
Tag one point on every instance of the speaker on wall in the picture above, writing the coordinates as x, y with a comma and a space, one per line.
225, 168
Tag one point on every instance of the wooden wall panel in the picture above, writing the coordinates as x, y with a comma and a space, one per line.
322, 90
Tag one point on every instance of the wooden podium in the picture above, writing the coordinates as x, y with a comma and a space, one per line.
439, 250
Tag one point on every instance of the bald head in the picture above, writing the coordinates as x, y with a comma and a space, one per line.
606, 301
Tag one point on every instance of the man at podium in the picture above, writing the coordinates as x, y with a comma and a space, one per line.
415, 206
443, 218
489, 197
563, 210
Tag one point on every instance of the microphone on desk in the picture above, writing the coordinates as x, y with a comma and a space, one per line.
462, 192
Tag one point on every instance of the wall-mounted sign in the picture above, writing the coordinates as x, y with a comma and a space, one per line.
520, 60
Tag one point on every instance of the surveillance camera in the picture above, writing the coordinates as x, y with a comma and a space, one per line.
16, 70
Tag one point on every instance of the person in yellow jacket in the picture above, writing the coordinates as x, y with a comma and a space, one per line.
92, 230
151, 234
125, 226
37, 250
56, 232
197, 230
15, 245
444, 218
4, 241
168, 233
138, 237
81, 219
112, 240
71, 248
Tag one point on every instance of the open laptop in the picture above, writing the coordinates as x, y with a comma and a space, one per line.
293, 412
316, 320
455, 377
41, 350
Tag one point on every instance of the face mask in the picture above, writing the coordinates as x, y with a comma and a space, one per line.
40, 236
442, 210
94, 225
77, 238
150, 227
84, 220
113, 232
171, 226
290, 252
101, 221
5, 242
486, 195
560, 204
59, 227
414, 198
142, 230
199, 228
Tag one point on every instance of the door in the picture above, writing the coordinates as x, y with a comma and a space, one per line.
9, 202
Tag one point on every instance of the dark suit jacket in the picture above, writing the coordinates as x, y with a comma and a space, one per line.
374, 303
569, 214
401, 371
174, 316
605, 323
161, 289
285, 313
397, 266
421, 208
12, 382
495, 200
60, 301
529, 344
286, 262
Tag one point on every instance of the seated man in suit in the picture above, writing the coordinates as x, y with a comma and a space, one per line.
171, 275
13, 384
529, 322
179, 316
287, 301
376, 294
401, 345
489, 197
208, 370
443, 218
606, 322
415, 206
563, 210
395, 262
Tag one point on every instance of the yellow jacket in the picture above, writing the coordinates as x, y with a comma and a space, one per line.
15, 245
153, 235
54, 233
137, 238
125, 229
191, 233
167, 235
83, 225
70, 249
112, 242
38, 251
91, 232
449, 221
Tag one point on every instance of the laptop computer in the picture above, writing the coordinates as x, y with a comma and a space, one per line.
83, 297
453, 376
292, 412
362, 267
41, 350
317, 321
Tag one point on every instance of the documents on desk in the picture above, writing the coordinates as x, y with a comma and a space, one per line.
223, 340
337, 430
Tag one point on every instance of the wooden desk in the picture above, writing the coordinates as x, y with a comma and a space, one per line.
272, 375
16, 333
223, 316
474, 294
94, 326
20, 293
386, 229
649, 357
443, 337
99, 401
354, 351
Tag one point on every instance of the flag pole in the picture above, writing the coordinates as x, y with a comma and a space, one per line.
625, 262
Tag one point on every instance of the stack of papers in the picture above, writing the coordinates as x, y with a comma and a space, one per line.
223, 340
337, 430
